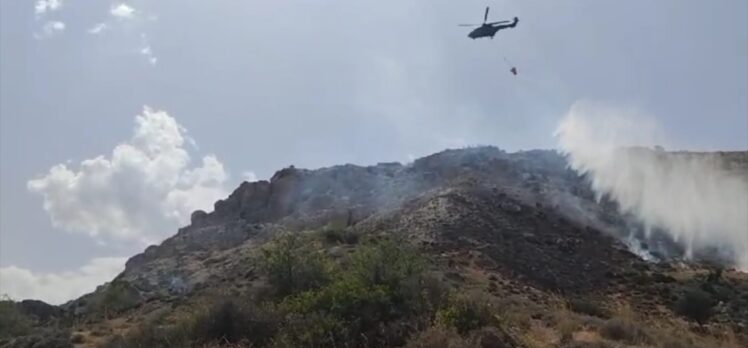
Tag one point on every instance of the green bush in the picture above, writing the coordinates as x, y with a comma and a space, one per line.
437, 337
378, 297
12, 321
314, 330
227, 321
292, 265
465, 313
118, 296
382, 284
696, 305
385, 263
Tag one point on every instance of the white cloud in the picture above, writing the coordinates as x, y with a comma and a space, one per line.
57, 288
43, 6
142, 192
50, 29
146, 50
122, 11
98, 28
249, 176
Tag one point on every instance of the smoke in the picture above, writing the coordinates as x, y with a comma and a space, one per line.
691, 196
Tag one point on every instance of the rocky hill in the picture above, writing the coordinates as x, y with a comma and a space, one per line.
513, 250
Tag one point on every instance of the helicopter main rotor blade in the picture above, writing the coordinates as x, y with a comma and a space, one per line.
499, 22
485, 16
468, 25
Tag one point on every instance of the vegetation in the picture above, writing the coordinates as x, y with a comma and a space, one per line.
437, 337
340, 236
381, 285
378, 296
292, 265
465, 313
588, 307
118, 296
226, 321
379, 293
12, 321
696, 305
623, 330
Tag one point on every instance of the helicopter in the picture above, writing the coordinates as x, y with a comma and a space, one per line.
489, 29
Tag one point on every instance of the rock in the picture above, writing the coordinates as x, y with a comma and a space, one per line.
198, 216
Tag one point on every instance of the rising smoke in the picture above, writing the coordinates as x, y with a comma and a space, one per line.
691, 196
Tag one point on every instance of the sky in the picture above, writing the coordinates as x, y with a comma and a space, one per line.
119, 118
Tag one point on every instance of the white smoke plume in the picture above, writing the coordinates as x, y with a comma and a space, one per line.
693, 197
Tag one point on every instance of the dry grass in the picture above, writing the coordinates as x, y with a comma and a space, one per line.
437, 337
539, 336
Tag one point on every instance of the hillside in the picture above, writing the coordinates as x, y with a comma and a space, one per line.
473, 247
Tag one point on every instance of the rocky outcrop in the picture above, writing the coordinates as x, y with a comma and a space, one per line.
527, 213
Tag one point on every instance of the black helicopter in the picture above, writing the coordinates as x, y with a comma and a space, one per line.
489, 29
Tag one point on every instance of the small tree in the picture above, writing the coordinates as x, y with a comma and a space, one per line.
385, 263
292, 266
696, 305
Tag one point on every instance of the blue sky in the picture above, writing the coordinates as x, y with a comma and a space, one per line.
239, 89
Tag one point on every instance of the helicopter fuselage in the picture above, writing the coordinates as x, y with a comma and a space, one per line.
485, 30
490, 29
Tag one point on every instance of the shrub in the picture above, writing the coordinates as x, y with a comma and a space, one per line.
153, 336
588, 307
385, 263
715, 275
12, 321
340, 236
118, 296
492, 337
77, 338
696, 305
312, 330
230, 321
226, 321
292, 265
381, 286
377, 298
465, 313
333, 236
437, 337
622, 330
43, 338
